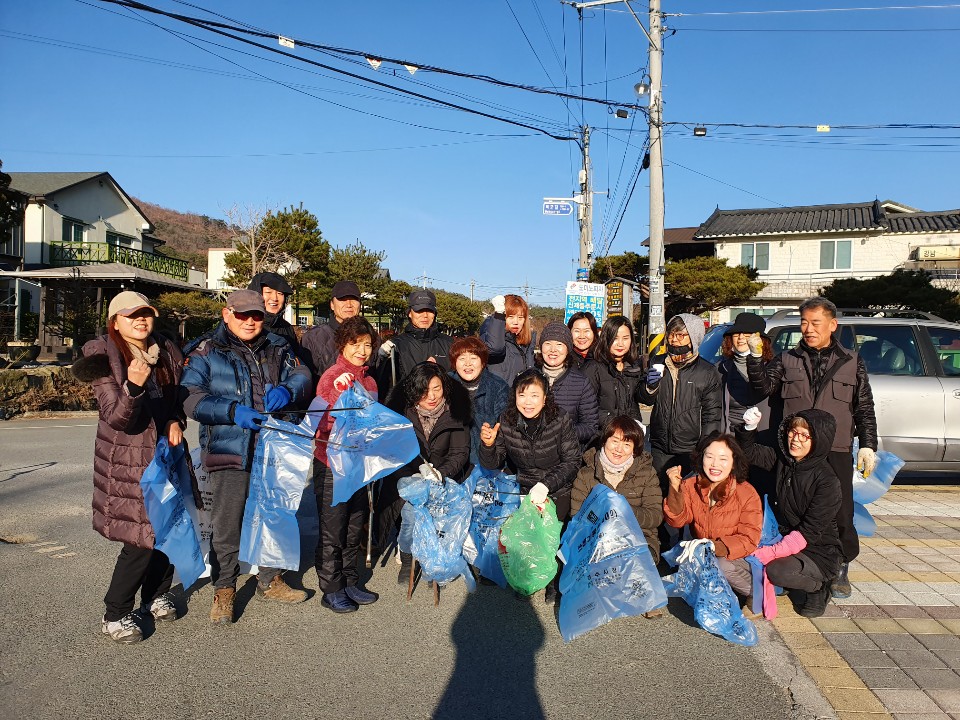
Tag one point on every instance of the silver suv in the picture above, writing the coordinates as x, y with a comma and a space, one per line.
913, 360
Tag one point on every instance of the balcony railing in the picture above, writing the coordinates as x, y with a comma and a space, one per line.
67, 254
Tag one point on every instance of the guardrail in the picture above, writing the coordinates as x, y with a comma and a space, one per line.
69, 254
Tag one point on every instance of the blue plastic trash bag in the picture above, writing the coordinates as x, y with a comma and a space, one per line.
366, 444
704, 587
166, 485
436, 519
608, 571
528, 544
495, 496
868, 489
270, 534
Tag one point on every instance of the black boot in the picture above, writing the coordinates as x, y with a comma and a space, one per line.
406, 565
816, 602
841, 586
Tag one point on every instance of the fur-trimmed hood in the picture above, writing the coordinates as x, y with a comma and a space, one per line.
91, 367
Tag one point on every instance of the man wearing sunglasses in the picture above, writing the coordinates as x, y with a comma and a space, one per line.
235, 376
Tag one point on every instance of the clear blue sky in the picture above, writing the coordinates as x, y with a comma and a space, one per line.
90, 86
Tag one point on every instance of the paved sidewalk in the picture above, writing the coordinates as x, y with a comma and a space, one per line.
893, 648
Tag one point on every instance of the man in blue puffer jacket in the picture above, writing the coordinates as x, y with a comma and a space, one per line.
233, 375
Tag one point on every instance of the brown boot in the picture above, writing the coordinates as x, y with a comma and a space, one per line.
222, 611
279, 591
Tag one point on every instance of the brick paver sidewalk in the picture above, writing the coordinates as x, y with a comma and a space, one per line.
893, 648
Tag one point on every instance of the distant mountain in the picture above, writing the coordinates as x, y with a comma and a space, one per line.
187, 235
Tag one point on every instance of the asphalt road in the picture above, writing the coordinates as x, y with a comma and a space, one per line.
484, 655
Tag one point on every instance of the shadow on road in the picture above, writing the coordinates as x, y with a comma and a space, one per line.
26, 470
497, 638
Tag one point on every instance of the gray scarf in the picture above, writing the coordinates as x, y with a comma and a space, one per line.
553, 373
613, 473
428, 418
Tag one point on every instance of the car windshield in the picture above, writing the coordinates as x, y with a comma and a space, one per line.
710, 347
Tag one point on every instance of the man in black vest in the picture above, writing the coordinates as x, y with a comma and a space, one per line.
821, 373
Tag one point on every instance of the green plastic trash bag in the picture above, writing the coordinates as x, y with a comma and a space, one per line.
528, 545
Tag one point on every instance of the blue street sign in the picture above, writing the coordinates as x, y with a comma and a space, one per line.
557, 207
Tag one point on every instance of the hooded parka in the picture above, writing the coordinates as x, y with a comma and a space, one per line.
127, 435
806, 494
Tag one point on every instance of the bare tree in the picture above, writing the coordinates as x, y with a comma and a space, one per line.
257, 247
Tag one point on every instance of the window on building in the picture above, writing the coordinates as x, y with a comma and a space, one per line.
303, 320
835, 254
755, 255
118, 240
72, 230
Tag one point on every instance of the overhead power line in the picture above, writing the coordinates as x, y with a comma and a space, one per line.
222, 28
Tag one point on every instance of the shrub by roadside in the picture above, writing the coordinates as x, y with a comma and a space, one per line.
50, 388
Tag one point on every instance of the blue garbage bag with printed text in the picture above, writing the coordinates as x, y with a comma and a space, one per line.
270, 533
528, 544
608, 571
435, 522
166, 489
366, 443
868, 489
495, 496
704, 587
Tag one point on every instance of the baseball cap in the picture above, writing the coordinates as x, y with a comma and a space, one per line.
128, 302
246, 301
421, 300
344, 289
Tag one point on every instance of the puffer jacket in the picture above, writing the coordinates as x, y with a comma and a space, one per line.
806, 493
738, 395
127, 434
685, 412
618, 391
549, 453
736, 519
575, 394
507, 359
640, 486
842, 388
318, 347
448, 447
489, 401
222, 371
411, 347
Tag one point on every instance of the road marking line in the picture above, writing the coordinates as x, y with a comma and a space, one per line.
63, 555
52, 549
44, 427
41, 544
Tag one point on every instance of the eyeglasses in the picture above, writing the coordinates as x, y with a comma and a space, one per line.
799, 435
678, 336
254, 315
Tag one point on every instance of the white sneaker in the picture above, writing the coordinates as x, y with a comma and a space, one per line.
124, 630
163, 609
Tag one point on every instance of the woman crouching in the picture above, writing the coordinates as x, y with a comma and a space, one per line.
719, 505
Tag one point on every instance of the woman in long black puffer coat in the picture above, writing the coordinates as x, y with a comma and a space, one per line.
615, 374
439, 408
570, 388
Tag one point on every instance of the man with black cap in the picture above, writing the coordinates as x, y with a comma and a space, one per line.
420, 340
319, 345
275, 290
233, 376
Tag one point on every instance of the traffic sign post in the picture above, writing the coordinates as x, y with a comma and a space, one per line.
557, 206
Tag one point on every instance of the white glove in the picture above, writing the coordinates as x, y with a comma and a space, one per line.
751, 418
689, 548
343, 381
428, 471
755, 343
653, 376
387, 348
538, 495
499, 304
866, 461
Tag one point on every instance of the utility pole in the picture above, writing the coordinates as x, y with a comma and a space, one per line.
656, 257
585, 205
655, 117
473, 284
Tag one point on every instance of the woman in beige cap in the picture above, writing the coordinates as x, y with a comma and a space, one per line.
134, 374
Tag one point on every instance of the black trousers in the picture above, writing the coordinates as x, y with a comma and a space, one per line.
146, 570
663, 461
796, 572
341, 528
842, 464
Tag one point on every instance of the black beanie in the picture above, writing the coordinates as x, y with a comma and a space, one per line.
556, 332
